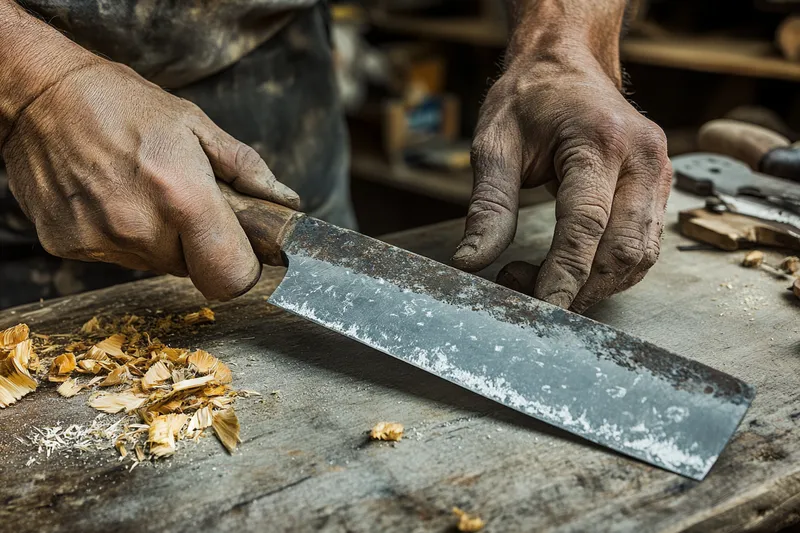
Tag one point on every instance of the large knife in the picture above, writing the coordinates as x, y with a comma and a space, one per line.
559, 367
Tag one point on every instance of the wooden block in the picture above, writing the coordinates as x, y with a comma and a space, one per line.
730, 231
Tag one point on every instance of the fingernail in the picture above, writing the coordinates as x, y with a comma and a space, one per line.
463, 252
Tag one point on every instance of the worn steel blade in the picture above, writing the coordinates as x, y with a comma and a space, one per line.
577, 374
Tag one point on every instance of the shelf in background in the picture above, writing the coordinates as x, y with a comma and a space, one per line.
453, 187
718, 55
757, 59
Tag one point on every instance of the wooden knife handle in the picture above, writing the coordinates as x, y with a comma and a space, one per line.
746, 142
265, 223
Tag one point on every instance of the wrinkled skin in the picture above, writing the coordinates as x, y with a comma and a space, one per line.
110, 167
572, 130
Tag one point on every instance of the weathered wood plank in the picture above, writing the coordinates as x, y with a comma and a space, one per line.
305, 464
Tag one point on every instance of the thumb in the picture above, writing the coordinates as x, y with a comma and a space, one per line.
492, 215
241, 167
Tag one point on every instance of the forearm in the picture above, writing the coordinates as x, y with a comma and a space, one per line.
567, 34
33, 58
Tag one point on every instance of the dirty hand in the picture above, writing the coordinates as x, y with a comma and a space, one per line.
573, 130
110, 167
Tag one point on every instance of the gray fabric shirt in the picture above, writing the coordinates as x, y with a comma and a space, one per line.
170, 42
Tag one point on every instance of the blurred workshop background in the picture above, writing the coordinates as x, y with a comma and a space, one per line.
413, 73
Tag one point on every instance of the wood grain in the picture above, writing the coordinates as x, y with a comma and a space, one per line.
306, 465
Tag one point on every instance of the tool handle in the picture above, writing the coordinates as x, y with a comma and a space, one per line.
783, 162
266, 224
746, 142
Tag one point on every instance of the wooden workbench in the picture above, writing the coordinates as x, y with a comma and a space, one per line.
305, 463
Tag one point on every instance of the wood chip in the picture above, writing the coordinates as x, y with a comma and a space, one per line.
194, 383
93, 366
387, 431
467, 522
226, 426
15, 380
790, 265
139, 453
120, 446
119, 375
753, 259
205, 363
112, 345
13, 336
200, 420
203, 316
63, 364
157, 374
91, 326
116, 402
161, 437
69, 388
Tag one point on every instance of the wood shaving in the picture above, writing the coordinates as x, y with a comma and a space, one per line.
203, 316
15, 379
116, 402
63, 365
13, 336
790, 265
112, 345
195, 383
226, 426
387, 431
119, 375
157, 374
161, 437
200, 420
69, 388
170, 393
753, 259
205, 363
467, 522
91, 326
120, 446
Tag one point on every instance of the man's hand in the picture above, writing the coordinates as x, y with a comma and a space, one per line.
557, 117
110, 167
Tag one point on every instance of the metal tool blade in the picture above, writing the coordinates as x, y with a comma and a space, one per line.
579, 375
707, 174
761, 210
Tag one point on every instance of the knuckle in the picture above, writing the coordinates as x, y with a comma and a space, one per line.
247, 159
611, 135
587, 221
130, 231
574, 266
652, 253
191, 108
624, 255
487, 196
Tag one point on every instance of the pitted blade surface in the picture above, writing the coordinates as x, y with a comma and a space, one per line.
577, 374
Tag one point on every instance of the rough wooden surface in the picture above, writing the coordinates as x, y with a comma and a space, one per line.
305, 463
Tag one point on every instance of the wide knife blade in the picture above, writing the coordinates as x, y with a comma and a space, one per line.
559, 367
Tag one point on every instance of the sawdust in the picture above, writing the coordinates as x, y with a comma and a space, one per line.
387, 431
168, 394
467, 522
